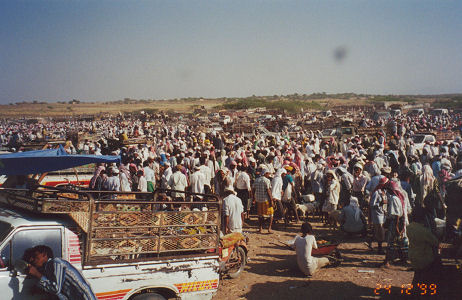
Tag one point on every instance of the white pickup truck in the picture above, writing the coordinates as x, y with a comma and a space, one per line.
127, 245
420, 139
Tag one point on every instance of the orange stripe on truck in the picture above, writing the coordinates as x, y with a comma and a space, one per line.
112, 295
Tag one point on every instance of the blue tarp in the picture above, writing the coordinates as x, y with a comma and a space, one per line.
41, 161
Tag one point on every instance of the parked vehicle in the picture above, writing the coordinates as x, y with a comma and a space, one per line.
214, 116
439, 112
326, 114
416, 112
266, 118
225, 119
233, 254
381, 115
130, 250
420, 139
340, 132
395, 113
128, 245
79, 176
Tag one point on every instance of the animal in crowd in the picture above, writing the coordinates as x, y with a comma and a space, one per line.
305, 209
308, 198
334, 218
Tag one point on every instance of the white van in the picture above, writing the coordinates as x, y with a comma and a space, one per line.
225, 119
395, 113
439, 112
416, 112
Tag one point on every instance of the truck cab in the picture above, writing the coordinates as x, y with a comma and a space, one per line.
340, 132
381, 115
420, 139
416, 112
20, 231
395, 113
439, 112
225, 119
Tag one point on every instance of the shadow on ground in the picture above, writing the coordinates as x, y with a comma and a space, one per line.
307, 289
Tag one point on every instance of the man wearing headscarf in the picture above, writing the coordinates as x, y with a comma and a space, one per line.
125, 179
331, 193
98, 171
397, 242
317, 183
377, 213
346, 183
352, 218
359, 183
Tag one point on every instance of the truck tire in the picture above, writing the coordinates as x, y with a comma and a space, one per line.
241, 257
149, 296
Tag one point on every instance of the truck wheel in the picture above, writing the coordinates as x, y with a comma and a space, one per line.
149, 296
238, 258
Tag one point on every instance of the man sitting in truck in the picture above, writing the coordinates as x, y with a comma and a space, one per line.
58, 276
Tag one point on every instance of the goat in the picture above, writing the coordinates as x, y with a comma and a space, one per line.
306, 208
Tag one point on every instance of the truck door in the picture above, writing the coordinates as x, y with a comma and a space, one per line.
19, 286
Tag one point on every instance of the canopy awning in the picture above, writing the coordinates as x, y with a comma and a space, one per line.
41, 161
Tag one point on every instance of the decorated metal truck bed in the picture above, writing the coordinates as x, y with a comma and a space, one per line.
129, 226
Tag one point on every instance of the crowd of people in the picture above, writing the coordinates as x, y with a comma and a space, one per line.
379, 186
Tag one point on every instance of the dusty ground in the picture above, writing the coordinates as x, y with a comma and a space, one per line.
54, 109
84, 108
272, 272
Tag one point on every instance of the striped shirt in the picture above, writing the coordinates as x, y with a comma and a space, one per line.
65, 281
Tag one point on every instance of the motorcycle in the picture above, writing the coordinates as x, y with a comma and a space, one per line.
233, 253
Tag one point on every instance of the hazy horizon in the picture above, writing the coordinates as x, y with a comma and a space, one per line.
111, 50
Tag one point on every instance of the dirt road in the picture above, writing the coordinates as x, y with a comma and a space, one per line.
272, 272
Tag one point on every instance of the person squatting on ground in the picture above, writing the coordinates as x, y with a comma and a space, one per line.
303, 247
352, 218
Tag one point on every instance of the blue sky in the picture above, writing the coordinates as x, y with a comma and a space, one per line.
110, 50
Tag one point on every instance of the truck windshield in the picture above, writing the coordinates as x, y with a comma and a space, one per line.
418, 139
347, 130
327, 132
5, 228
